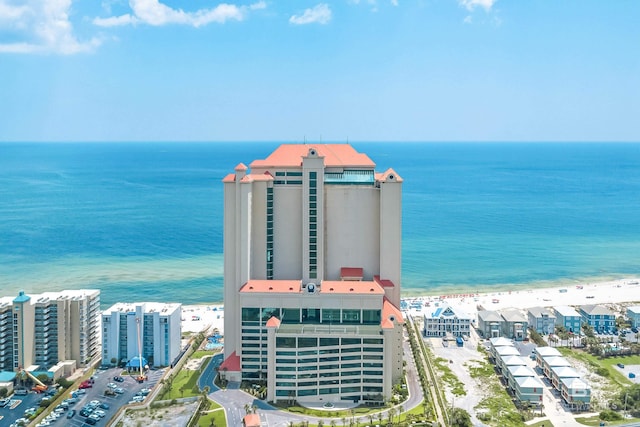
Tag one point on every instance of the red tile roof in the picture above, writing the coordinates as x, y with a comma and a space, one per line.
229, 178
241, 167
231, 363
350, 287
388, 172
335, 155
351, 273
387, 324
273, 322
257, 177
272, 286
389, 310
251, 420
384, 283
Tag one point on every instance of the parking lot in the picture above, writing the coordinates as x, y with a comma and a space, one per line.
102, 379
104, 406
16, 407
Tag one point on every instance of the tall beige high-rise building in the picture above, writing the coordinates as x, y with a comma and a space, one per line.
312, 272
44, 329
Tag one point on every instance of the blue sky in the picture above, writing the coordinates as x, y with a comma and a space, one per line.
367, 70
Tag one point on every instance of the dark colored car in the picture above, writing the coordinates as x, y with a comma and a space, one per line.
71, 413
118, 378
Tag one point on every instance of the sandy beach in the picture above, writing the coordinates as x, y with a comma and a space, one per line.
196, 318
622, 292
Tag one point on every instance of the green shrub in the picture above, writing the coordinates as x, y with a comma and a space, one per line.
609, 415
603, 372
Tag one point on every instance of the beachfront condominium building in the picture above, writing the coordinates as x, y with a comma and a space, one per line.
541, 320
38, 331
599, 317
633, 314
312, 240
568, 318
150, 329
446, 321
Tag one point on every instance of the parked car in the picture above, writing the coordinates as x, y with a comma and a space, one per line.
118, 378
621, 365
71, 413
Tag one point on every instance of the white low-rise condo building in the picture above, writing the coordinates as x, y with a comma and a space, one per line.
312, 239
150, 329
38, 331
446, 320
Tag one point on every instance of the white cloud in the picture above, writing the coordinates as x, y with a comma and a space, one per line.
320, 14
153, 12
468, 19
42, 26
470, 5
258, 6
115, 21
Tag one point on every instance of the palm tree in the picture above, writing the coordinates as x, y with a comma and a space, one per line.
391, 413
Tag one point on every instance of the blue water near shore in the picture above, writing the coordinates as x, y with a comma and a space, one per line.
143, 221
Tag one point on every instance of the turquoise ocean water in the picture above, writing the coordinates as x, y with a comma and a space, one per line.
143, 221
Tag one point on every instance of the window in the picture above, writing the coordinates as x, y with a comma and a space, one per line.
330, 315
351, 316
285, 342
307, 342
329, 341
290, 315
250, 314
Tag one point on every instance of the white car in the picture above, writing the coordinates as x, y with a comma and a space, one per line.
100, 413
112, 385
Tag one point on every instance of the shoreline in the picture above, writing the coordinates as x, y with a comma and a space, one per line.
449, 289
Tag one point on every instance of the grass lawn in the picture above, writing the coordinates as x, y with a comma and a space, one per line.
608, 363
184, 385
201, 353
595, 421
215, 417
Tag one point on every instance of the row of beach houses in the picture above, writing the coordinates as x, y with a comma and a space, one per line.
449, 320
525, 384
